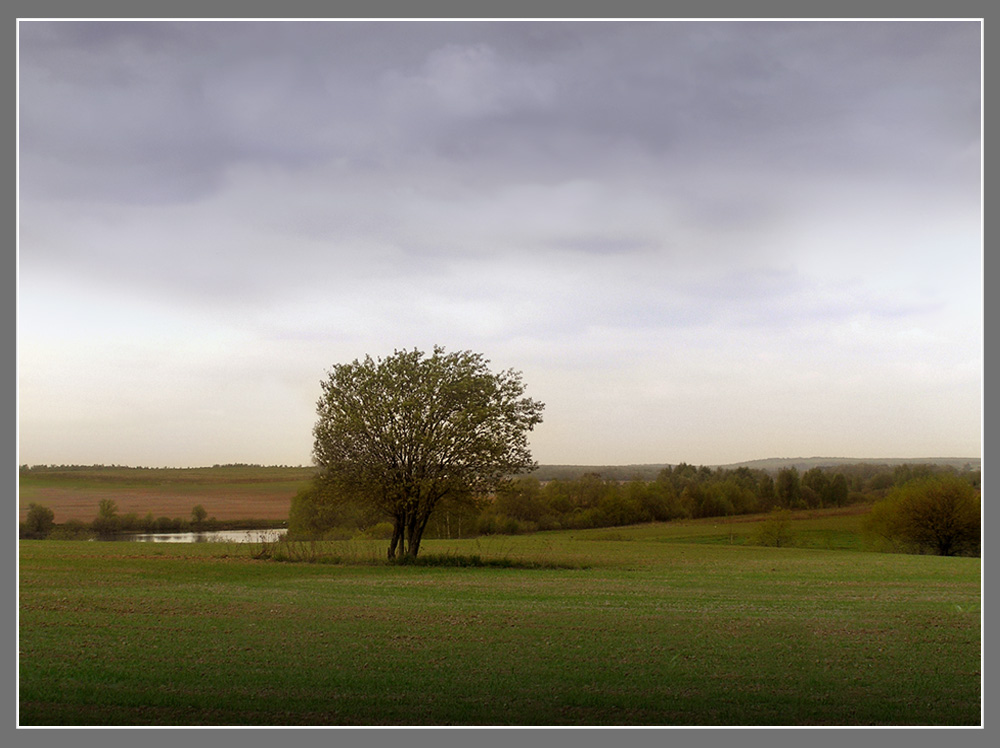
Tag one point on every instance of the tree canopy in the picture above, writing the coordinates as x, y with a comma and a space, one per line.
40, 520
937, 514
401, 434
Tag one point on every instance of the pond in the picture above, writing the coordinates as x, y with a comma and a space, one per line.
216, 536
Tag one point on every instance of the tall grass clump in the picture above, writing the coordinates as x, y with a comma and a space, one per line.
355, 551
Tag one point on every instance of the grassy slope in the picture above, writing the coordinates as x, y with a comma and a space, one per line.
673, 624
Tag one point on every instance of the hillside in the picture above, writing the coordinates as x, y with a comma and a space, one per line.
773, 465
805, 463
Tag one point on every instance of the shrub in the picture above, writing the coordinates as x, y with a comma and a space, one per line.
167, 524
549, 522
39, 522
937, 514
775, 531
107, 521
337, 533
131, 523
73, 529
379, 531
490, 523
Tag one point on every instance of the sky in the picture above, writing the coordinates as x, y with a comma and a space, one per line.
706, 242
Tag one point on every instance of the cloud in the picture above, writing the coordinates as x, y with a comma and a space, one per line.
656, 221
466, 82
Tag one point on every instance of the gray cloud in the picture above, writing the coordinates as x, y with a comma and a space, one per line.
200, 97
579, 194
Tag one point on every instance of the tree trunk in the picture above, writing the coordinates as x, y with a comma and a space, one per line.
413, 539
417, 533
397, 538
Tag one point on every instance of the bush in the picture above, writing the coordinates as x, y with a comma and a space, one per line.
131, 523
39, 522
167, 524
107, 522
500, 524
74, 529
776, 530
379, 531
938, 514
338, 533
549, 522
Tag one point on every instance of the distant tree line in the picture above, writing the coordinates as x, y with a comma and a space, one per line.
40, 523
917, 507
77, 468
82, 468
684, 491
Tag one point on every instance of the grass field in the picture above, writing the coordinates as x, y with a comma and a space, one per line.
670, 624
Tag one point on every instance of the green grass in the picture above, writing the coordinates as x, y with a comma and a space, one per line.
674, 624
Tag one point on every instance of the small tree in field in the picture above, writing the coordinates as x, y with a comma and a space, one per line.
937, 514
198, 514
107, 521
776, 530
402, 433
40, 521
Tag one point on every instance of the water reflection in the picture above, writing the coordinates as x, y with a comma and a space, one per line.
218, 536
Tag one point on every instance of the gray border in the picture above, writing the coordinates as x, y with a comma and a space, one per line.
457, 9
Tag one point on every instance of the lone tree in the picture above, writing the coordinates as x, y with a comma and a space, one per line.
402, 433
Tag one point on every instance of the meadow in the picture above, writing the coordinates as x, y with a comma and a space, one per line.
675, 624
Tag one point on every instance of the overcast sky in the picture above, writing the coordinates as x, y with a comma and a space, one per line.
699, 241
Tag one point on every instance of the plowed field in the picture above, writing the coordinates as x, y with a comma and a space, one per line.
226, 493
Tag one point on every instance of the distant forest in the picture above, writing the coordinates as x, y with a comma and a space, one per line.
772, 465
559, 497
543, 473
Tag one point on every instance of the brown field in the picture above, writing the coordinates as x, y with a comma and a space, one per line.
82, 504
165, 493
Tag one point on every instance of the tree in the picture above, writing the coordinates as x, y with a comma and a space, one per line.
402, 433
765, 491
837, 493
198, 514
939, 514
816, 481
107, 521
520, 499
788, 488
40, 520
107, 509
881, 481
776, 530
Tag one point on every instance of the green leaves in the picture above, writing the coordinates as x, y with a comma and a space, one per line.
938, 514
403, 432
